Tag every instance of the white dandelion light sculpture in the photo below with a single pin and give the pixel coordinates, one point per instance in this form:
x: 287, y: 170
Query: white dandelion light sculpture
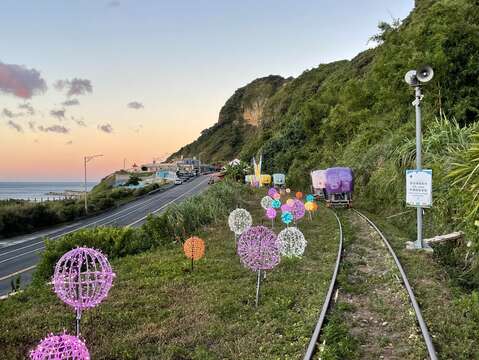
x: 266, y: 202
x: 291, y: 242
x: 239, y: 221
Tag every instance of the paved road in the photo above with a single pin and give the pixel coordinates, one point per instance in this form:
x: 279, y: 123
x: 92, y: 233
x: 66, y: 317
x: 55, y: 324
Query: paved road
x: 19, y: 256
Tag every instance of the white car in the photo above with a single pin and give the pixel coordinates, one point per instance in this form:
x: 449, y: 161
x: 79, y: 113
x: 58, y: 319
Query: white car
x: 178, y: 181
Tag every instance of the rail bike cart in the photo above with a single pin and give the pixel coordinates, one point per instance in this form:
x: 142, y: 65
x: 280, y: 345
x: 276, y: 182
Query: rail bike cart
x: 339, y: 187
x: 318, y: 184
x: 279, y: 180
x: 265, y: 179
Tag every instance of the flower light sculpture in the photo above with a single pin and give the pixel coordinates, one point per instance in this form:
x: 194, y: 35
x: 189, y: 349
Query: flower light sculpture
x: 271, y: 215
x: 239, y: 220
x: 298, y: 209
x: 276, y: 204
x: 309, y: 206
x: 194, y: 249
x: 258, y: 250
x: 299, y: 195
x: 288, y: 190
x: 272, y: 191
x: 285, y: 207
x: 287, y: 217
x: 290, y: 202
x: 266, y: 202
x: 291, y: 242
x: 309, y: 198
x: 60, y: 347
x: 82, y: 279
x: 277, y: 196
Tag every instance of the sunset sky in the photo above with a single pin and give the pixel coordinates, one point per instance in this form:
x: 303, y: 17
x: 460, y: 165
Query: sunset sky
x: 138, y: 79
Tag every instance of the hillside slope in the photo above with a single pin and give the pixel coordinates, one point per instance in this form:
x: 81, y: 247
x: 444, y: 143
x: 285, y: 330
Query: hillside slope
x: 358, y: 113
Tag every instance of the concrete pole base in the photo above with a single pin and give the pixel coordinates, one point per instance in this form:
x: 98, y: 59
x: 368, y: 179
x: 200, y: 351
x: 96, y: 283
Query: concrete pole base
x: 411, y: 245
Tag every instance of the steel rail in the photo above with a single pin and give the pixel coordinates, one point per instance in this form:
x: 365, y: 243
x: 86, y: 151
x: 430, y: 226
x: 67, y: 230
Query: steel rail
x: 422, y: 324
x: 317, y: 330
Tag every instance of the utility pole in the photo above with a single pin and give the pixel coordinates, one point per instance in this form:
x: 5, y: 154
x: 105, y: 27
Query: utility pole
x: 416, y: 78
x: 87, y: 159
x: 417, y: 104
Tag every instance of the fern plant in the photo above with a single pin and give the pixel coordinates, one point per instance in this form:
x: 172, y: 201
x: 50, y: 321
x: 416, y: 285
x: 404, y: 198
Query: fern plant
x: 465, y: 173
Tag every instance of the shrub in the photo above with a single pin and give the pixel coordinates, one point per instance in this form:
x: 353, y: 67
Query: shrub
x: 174, y: 225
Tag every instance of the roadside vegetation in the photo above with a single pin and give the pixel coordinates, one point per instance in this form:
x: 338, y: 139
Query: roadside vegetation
x: 158, y: 308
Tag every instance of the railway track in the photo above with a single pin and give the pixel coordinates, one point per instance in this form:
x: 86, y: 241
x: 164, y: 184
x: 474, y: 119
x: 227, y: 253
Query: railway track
x: 313, y: 344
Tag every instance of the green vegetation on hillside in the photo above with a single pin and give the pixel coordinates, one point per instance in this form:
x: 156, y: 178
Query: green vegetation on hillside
x: 358, y: 113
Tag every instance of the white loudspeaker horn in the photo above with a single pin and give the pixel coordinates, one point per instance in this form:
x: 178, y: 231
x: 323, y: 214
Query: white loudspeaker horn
x: 425, y: 74
x: 411, y: 78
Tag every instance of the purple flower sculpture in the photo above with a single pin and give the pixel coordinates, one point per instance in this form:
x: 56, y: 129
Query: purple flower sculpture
x: 258, y: 248
x: 298, y: 209
x: 82, y: 278
x: 60, y: 347
x: 272, y: 191
x: 286, y: 208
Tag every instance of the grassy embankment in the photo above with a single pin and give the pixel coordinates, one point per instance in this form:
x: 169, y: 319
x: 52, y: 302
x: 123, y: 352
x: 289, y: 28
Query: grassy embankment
x: 159, y: 309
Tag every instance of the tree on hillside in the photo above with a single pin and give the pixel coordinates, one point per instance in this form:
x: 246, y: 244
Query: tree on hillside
x: 237, y: 171
x: 133, y: 180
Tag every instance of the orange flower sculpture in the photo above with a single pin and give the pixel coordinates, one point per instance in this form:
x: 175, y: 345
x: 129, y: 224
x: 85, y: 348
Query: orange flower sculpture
x: 194, y: 248
x: 299, y: 195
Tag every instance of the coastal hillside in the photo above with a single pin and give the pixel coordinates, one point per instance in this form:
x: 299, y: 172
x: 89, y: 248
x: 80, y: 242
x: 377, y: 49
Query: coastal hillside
x: 238, y: 121
x: 358, y: 113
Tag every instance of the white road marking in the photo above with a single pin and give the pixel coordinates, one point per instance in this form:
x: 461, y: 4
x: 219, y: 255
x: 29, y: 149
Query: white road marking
x: 17, y: 272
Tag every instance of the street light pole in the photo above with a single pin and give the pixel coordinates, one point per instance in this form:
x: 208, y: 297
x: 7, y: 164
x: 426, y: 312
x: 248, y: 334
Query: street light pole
x: 87, y: 159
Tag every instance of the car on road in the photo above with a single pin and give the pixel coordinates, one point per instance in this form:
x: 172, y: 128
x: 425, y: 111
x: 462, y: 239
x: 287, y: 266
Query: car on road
x: 178, y: 181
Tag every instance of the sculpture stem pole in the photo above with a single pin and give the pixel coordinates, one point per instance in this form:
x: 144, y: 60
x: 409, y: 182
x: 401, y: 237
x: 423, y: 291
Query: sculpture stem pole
x: 78, y: 317
x: 192, y: 264
x: 257, y: 288
x: 310, y: 216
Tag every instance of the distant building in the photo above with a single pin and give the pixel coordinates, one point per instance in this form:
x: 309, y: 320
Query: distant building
x: 134, y: 169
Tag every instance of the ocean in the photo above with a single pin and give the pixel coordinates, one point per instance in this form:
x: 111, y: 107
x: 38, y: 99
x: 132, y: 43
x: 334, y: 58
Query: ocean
x: 39, y: 191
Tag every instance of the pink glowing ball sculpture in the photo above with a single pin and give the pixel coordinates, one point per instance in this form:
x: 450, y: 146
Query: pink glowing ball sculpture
x: 60, y: 347
x: 258, y: 248
x: 298, y: 209
x: 82, y: 278
x: 286, y: 208
x: 270, y: 213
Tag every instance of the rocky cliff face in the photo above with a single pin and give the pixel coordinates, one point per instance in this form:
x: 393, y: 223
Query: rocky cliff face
x: 238, y: 121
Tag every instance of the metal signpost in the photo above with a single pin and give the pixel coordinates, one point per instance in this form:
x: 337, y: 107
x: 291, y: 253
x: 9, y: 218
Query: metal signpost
x: 416, y: 78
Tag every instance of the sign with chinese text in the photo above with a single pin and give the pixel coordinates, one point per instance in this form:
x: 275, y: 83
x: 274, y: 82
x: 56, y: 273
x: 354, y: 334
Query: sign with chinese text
x: 419, y: 188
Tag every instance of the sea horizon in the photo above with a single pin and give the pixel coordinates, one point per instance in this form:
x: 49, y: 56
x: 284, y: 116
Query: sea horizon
x: 40, y: 190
